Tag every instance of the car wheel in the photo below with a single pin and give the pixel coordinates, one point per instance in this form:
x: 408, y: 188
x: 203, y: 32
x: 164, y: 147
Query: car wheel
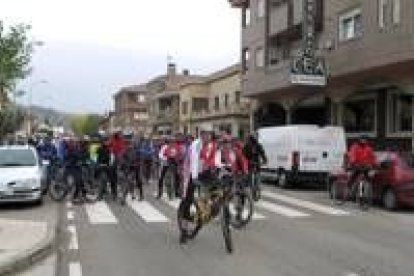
x: 389, y: 200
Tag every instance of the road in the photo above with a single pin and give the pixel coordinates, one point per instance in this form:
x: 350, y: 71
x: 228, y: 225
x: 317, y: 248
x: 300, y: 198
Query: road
x: 295, y: 233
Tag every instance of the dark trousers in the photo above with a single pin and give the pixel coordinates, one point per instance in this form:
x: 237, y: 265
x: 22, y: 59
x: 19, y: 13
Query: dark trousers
x: 170, y: 166
x: 76, y: 173
x: 146, y: 163
x: 138, y: 181
x: 113, y: 179
x: 188, y: 199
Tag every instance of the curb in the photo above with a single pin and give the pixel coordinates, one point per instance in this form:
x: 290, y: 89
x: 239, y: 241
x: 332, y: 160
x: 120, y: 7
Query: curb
x: 33, y: 255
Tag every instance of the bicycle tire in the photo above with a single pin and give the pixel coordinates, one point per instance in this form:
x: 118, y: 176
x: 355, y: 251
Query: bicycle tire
x: 183, y: 222
x: 339, y: 193
x: 242, y: 198
x: 169, y: 183
x: 255, y: 187
x: 58, y: 189
x: 225, y: 225
x: 91, y: 190
x: 364, y: 196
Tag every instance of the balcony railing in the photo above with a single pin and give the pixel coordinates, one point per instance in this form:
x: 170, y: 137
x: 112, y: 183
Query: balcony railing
x: 233, y: 109
x: 239, y: 3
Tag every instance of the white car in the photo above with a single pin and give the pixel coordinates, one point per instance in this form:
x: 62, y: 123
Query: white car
x: 20, y: 174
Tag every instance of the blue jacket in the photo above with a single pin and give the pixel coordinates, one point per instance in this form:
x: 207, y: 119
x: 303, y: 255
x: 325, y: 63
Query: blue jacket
x: 146, y: 150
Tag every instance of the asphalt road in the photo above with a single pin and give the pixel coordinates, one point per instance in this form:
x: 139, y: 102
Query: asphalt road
x: 295, y: 233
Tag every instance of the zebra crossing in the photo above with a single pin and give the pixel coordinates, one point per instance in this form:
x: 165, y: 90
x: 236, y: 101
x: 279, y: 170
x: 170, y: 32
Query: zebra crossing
x: 271, y: 204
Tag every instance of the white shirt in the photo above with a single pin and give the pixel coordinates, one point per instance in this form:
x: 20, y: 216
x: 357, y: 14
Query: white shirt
x: 195, y: 164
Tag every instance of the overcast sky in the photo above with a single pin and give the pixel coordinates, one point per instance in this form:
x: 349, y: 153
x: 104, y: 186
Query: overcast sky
x: 92, y: 48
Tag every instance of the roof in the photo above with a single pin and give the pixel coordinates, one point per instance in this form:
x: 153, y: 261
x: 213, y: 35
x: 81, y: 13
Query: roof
x: 140, y: 88
x: 228, y: 71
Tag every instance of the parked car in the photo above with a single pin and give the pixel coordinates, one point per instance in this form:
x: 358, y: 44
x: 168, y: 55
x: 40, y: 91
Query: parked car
x: 393, y: 182
x: 302, y: 153
x: 20, y: 174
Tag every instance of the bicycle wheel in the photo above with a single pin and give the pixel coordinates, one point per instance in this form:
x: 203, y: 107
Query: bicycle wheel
x: 241, y: 209
x: 189, y: 221
x: 364, y: 196
x: 339, y: 192
x: 169, y: 183
x: 255, y: 186
x: 92, y: 190
x: 58, y: 188
x: 225, y: 226
x: 122, y: 187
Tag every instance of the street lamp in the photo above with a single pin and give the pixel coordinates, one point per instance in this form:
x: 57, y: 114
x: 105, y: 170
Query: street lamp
x: 29, y: 123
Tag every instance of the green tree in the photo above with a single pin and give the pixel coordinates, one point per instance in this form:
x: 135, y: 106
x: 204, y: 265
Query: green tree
x: 16, y: 49
x: 85, y: 124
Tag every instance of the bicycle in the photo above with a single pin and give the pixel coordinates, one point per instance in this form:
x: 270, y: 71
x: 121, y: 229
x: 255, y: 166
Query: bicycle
x: 255, y: 183
x: 361, y: 190
x: 242, y: 206
x: 125, y: 182
x: 170, y: 180
x: 214, y: 202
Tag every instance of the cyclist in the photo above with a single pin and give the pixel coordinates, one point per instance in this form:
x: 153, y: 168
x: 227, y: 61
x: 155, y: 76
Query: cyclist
x: 361, y: 158
x: 200, y: 162
x: 117, y: 146
x: 47, y: 152
x: 255, y: 155
x: 73, y: 166
x: 146, y: 151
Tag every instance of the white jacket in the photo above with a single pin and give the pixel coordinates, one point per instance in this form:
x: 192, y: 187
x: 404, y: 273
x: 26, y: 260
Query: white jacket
x: 195, y: 162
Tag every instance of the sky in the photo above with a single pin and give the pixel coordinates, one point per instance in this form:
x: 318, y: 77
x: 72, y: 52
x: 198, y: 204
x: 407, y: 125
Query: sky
x: 92, y: 48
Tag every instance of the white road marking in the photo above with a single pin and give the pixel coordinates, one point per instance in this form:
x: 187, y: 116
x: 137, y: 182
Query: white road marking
x: 305, y: 204
x: 146, y: 211
x: 69, y: 204
x: 75, y: 269
x: 70, y: 215
x: 174, y: 203
x: 256, y: 215
x: 281, y: 210
x: 99, y: 213
x: 73, y: 244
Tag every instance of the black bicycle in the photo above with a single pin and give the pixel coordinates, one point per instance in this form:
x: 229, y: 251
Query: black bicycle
x: 214, y: 202
x: 255, y: 183
x: 241, y: 206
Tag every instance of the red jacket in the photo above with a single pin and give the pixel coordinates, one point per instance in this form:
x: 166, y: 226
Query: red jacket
x: 361, y: 155
x: 208, y: 155
x: 235, y: 158
x: 117, y: 146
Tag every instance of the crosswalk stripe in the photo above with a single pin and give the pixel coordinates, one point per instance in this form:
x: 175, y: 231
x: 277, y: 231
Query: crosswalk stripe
x: 75, y: 269
x: 305, y: 204
x: 99, y: 213
x: 146, y: 211
x: 281, y: 210
x: 256, y: 215
x: 174, y: 203
x: 73, y: 243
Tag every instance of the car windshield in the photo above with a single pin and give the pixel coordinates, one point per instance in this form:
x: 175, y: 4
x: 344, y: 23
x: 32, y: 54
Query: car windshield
x: 17, y: 158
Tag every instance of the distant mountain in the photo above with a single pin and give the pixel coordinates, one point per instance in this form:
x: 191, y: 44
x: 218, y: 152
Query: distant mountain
x: 52, y: 116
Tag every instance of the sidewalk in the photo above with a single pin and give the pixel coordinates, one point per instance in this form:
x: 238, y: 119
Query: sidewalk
x: 27, y: 235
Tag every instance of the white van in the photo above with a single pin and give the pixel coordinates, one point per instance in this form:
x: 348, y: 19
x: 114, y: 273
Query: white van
x: 302, y: 153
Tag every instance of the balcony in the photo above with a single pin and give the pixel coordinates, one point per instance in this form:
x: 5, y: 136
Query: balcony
x: 167, y: 116
x: 239, y: 3
x: 232, y: 110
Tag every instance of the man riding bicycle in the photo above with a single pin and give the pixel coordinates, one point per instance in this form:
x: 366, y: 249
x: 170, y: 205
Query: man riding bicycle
x: 361, y: 159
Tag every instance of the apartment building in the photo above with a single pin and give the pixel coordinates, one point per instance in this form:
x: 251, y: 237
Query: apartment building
x: 368, y: 49
x: 215, y: 102
x: 164, y: 100
x: 131, y: 110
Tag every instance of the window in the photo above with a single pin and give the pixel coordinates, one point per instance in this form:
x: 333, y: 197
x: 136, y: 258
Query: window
x: 247, y: 17
x: 200, y: 104
x: 141, y: 98
x: 140, y: 116
x: 245, y: 59
x: 259, y: 59
x: 359, y: 115
x: 382, y: 7
x: 350, y: 25
x: 237, y: 97
x: 226, y: 100
x: 216, y: 103
x: 396, y: 12
x: 184, y: 108
x: 400, y: 118
x: 261, y: 6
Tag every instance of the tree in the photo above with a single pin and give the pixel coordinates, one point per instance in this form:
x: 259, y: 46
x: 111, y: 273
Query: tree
x: 85, y: 124
x: 16, y: 49
x: 10, y: 120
